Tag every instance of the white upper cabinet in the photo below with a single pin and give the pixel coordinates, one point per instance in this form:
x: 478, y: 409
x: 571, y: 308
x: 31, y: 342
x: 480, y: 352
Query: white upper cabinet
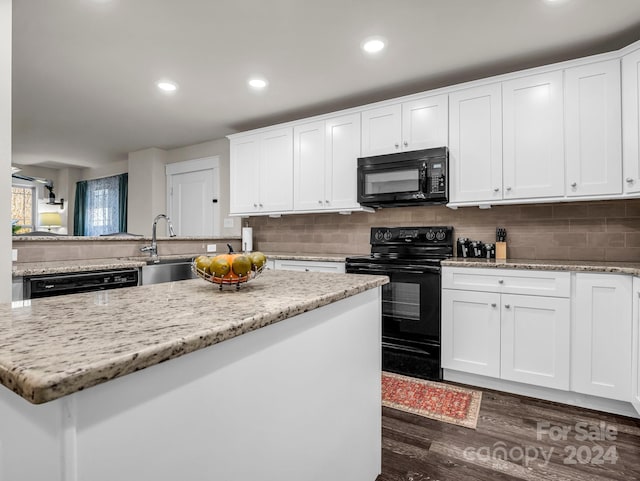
x: 631, y: 121
x: 325, y: 164
x: 424, y: 123
x: 475, y: 144
x: 308, y: 166
x: 593, y: 132
x: 244, y: 175
x: 342, y: 149
x: 533, y: 156
x: 413, y: 125
x: 261, y: 172
x: 276, y: 171
x: 382, y: 130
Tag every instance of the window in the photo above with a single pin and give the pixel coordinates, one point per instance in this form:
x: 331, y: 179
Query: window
x: 101, y: 206
x: 23, y: 207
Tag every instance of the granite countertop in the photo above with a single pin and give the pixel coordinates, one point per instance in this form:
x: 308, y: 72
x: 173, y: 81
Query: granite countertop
x: 549, y: 265
x: 61, y: 267
x: 120, y: 238
x: 56, y: 346
x: 21, y: 269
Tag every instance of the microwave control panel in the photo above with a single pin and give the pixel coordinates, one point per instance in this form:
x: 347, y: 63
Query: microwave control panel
x: 436, y: 178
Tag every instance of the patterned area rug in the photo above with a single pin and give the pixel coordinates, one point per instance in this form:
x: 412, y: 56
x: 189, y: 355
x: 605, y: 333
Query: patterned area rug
x: 435, y: 400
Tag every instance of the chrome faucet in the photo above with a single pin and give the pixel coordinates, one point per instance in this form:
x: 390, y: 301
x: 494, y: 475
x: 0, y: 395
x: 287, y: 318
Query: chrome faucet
x: 153, y: 248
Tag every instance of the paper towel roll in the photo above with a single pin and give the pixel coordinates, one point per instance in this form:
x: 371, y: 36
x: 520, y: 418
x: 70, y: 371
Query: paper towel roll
x: 247, y: 239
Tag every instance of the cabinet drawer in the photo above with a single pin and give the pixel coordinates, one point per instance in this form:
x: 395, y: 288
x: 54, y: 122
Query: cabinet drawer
x: 508, y: 281
x: 312, y: 266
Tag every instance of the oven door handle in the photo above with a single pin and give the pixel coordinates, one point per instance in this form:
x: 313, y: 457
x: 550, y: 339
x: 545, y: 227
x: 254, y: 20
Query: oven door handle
x: 383, y: 271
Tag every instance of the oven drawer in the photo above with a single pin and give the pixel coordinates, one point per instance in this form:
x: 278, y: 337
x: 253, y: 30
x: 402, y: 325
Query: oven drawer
x: 507, y: 281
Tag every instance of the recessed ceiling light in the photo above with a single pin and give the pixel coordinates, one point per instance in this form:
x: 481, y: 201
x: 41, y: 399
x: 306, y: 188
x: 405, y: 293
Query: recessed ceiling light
x: 167, y: 86
x: 257, y: 83
x: 373, y: 45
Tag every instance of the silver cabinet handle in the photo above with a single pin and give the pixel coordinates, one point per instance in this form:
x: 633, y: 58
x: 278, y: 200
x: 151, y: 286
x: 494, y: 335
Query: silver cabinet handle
x: 508, y: 188
x: 260, y: 205
x: 320, y: 202
x: 327, y: 201
x: 629, y: 180
x: 496, y: 189
x: 507, y: 306
x: 397, y: 145
x: 255, y: 206
x: 500, y: 281
x: 306, y: 269
x: 574, y: 184
x: 406, y: 144
x: 493, y: 304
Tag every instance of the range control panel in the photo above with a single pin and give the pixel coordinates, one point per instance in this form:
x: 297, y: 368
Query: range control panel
x: 412, y: 235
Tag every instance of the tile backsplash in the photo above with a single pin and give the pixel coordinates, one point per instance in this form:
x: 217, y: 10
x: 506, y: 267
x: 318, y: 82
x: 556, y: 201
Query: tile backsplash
x: 606, y: 230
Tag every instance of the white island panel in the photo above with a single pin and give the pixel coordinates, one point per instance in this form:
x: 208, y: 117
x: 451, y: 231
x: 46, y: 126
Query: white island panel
x: 296, y: 400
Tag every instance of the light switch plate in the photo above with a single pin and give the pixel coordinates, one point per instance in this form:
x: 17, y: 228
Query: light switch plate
x: 14, y: 254
x: 211, y: 247
x: 228, y: 223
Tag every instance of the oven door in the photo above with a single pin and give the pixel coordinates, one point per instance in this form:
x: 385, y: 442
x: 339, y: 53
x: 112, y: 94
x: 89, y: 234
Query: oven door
x: 397, y: 182
x: 410, y: 302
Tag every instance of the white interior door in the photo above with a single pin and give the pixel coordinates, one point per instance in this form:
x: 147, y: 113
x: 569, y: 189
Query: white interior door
x: 193, y: 197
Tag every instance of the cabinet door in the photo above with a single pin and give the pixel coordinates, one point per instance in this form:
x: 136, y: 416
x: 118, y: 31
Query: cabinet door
x: 535, y: 340
x: 309, y: 166
x: 471, y: 332
x: 276, y: 171
x: 244, y: 174
x: 341, y: 167
x: 631, y: 121
x: 593, y: 129
x: 602, y: 328
x: 635, y: 367
x: 475, y: 144
x: 381, y: 130
x: 533, y: 162
x: 425, y: 123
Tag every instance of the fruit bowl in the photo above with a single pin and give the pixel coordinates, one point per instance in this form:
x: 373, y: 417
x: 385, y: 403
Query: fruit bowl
x: 230, y: 278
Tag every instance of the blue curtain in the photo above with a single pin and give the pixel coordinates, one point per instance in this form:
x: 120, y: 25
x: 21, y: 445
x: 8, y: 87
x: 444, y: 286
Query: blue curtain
x: 123, y: 193
x: 80, y: 206
x: 101, y: 206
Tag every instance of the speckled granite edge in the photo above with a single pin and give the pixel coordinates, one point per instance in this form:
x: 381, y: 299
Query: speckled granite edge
x: 632, y: 268
x: 38, y: 389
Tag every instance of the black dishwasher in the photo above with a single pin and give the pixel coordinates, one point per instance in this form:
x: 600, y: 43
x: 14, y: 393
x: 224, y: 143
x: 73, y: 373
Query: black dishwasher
x: 58, y: 284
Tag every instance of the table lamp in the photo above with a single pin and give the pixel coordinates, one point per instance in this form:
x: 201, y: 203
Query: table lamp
x: 50, y: 219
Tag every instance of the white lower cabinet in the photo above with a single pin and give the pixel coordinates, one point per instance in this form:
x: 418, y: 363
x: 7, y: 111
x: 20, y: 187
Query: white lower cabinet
x: 575, y: 332
x: 534, y: 340
x: 635, y: 365
x: 508, y: 336
x: 471, y: 332
x: 309, y: 266
x: 601, y: 336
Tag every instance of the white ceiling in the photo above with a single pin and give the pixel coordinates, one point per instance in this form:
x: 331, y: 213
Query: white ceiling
x: 84, y: 71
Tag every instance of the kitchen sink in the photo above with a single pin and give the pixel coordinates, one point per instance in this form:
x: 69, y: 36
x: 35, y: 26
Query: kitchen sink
x: 167, y: 270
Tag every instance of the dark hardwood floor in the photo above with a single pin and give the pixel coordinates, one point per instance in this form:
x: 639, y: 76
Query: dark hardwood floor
x: 517, y: 438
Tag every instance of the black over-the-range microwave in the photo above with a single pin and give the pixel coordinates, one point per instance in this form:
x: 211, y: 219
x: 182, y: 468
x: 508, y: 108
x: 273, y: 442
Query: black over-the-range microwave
x: 418, y: 177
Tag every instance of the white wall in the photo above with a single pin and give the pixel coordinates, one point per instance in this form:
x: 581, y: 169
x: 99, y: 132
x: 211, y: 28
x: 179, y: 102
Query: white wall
x: 146, y: 189
x: 5, y: 149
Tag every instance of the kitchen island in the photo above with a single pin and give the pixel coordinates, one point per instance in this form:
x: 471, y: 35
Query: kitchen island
x: 292, y: 393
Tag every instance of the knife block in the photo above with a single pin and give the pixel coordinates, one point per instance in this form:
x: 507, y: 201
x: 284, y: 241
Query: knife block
x: 501, y: 250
